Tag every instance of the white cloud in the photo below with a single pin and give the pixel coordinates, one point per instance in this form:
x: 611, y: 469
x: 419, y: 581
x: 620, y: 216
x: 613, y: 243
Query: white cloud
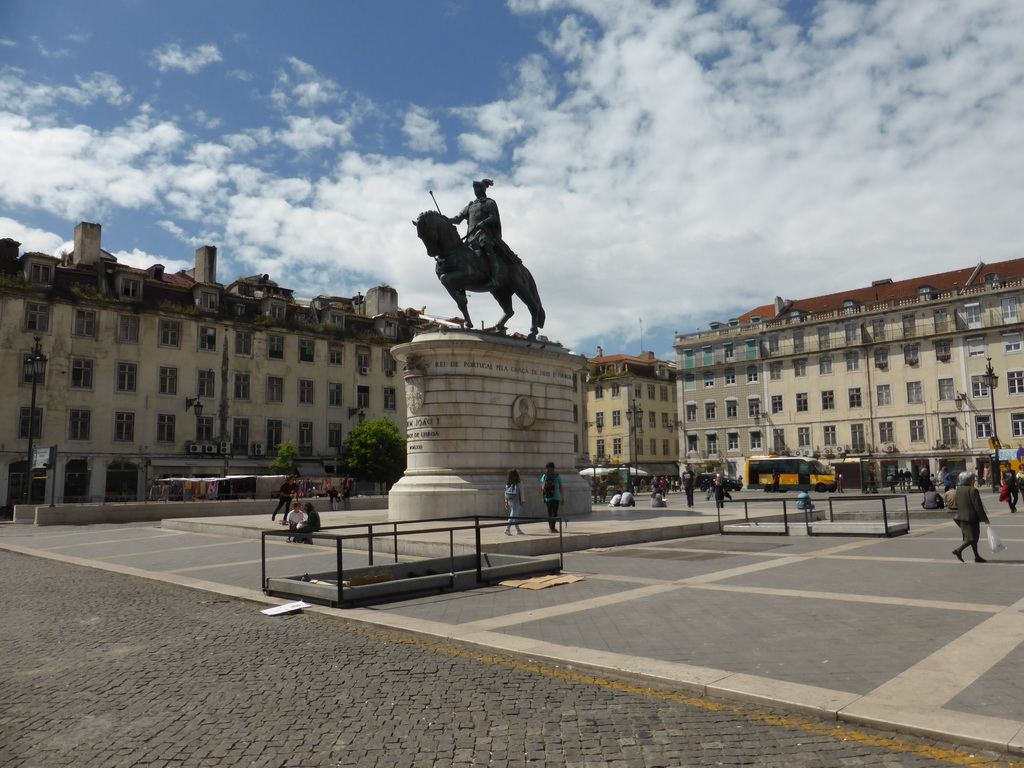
x: 424, y: 134
x: 31, y: 238
x: 173, y: 57
x: 304, y: 87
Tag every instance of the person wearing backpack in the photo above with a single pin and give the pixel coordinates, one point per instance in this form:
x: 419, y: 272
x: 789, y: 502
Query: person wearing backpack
x: 551, y: 492
x: 513, y: 501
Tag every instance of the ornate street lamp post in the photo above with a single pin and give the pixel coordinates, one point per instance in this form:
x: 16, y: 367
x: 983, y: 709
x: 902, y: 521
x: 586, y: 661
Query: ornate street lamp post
x: 34, y: 369
x: 634, y: 416
x: 992, y: 381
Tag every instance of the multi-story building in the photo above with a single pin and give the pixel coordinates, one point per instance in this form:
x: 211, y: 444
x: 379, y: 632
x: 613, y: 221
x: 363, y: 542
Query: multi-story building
x: 151, y: 374
x: 895, y: 373
x: 632, y: 413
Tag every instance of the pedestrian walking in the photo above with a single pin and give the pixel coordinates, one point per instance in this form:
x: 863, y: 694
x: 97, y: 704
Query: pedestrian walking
x: 777, y: 478
x: 289, y: 489
x: 332, y: 494
x: 720, y: 492
x: 513, y: 501
x: 1011, y: 490
x: 839, y: 482
x: 970, y: 514
x: 346, y: 492
x: 551, y: 492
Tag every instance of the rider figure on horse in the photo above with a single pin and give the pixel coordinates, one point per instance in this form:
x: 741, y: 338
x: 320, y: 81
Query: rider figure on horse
x: 484, y: 235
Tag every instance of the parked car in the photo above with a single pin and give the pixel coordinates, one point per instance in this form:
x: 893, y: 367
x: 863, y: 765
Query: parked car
x: 706, y: 479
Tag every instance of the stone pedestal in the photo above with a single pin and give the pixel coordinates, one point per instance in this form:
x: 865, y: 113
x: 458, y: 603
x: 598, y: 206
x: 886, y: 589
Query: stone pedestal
x: 479, y: 405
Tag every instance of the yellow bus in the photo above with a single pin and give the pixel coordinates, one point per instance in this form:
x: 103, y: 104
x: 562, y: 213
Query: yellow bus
x: 796, y: 473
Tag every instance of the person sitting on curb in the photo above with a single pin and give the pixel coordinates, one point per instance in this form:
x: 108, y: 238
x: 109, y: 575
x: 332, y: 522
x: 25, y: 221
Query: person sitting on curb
x: 294, y: 517
x: 932, y: 499
x: 310, y: 525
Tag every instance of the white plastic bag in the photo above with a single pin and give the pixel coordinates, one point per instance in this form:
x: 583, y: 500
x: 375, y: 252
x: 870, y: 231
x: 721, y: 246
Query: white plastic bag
x: 994, y: 542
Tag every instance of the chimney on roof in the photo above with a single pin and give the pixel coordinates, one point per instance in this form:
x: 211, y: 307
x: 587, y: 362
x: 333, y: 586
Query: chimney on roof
x: 779, y: 305
x: 87, y: 243
x: 600, y: 352
x: 206, y: 264
x: 9, y: 249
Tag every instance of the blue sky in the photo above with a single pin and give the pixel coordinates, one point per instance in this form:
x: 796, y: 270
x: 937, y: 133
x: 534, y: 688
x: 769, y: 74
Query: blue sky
x: 657, y: 164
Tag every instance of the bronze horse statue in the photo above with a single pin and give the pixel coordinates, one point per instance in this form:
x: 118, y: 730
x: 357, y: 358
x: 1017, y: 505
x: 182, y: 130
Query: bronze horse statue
x: 460, y: 269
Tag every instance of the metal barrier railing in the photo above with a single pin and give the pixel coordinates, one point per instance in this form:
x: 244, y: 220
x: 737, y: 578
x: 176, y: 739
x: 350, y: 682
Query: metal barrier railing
x: 476, y: 523
x: 808, y: 514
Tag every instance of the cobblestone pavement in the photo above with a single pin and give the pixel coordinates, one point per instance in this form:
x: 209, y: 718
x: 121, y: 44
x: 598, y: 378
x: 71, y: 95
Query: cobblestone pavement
x: 104, y: 669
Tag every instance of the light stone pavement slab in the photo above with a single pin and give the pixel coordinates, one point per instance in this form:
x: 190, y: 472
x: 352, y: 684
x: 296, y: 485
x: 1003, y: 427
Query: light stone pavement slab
x: 892, y: 633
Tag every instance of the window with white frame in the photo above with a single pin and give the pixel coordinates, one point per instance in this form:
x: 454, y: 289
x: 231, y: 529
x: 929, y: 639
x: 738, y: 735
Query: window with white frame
x: 972, y: 315
x: 829, y: 434
x: 208, y: 338
x: 709, y: 379
x: 754, y: 407
x: 883, y: 394
x: 775, y: 372
x: 825, y: 364
x: 857, y: 437
x: 854, y: 397
x: 917, y: 430
x: 800, y: 368
x: 37, y: 316
x: 803, y: 437
x: 852, y: 361
x: 828, y: 400
x: 915, y: 392
x: 777, y: 405
x: 881, y: 357
x: 976, y: 346
x: 305, y: 391
x: 802, y: 403
x: 709, y: 411
x: 730, y: 380
x: 732, y: 442
x: 943, y: 351
x: 885, y: 432
x: 949, y: 427
x: 940, y: 318
x: 755, y: 441
x: 731, y: 409
x: 983, y: 426
x: 1017, y: 424
x: 752, y: 375
x: 824, y: 338
x: 979, y: 385
x: 850, y: 334
x: 1015, y: 382
x: 85, y: 322
x: 947, y: 390
x: 1008, y: 306
x: 128, y: 329
x: 1011, y: 342
x: 911, y: 354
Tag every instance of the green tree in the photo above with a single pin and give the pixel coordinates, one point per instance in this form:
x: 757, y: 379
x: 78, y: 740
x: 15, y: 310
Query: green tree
x: 375, y: 451
x: 287, y: 459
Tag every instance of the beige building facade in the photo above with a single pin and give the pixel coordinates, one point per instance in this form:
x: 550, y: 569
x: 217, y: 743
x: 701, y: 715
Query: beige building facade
x: 632, y: 413
x: 152, y: 375
x: 894, y: 376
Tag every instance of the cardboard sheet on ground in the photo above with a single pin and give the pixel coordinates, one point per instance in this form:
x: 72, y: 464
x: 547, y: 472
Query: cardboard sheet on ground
x: 542, y: 582
x: 277, y: 610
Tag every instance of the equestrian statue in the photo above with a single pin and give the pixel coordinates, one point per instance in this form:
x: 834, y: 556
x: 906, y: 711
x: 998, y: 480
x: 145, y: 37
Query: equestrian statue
x: 480, y: 262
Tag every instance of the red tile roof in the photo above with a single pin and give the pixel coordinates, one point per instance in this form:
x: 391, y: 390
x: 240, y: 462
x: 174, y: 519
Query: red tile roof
x: 940, y: 281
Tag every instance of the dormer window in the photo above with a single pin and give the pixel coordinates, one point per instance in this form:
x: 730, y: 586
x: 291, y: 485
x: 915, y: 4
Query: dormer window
x: 40, y: 273
x: 131, y: 288
x: 277, y: 311
x: 208, y: 300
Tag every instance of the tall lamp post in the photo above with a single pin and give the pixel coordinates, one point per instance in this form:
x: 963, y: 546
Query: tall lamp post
x: 992, y: 381
x: 634, y: 415
x: 34, y: 369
